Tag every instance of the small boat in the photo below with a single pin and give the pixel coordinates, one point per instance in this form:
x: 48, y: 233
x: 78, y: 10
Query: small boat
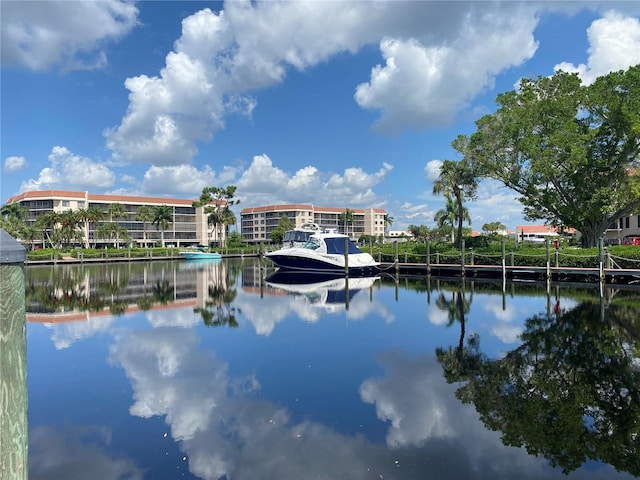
x: 200, y: 253
x: 327, y: 252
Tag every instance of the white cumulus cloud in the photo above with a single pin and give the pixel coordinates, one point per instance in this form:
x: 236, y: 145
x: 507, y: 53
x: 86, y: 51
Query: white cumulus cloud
x: 70, y: 171
x: 222, y: 59
x: 263, y: 183
x: 14, y: 163
x: 614, y: 43
x: 68, y: 35
x: 183, y: 180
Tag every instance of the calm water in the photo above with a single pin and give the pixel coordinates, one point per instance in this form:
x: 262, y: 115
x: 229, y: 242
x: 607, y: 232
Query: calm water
x: 202, y: 371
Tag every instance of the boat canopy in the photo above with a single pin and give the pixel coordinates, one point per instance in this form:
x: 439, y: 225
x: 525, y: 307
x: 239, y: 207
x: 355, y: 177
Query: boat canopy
x: 336, y: 246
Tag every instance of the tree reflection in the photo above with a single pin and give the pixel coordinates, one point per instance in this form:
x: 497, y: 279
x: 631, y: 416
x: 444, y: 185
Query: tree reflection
x: 457, y: 361
x: 163, y: 292
x: 218, y: 310
x: 570, y: 392
x: 94, y: 288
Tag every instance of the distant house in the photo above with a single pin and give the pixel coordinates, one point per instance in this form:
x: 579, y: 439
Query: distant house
x: 398, y: 236
x: 539, y: 233
x: 622, y: 227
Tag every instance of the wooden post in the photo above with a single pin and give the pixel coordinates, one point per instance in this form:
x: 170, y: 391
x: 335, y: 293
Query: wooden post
x: 13, y: 361
x: 428, y: 258
x: 346, y: 256
x: 346, y: 293
x: 395, y: 250
x: 601, y: 258
x: 504, y: 267
x: 548, y: 258
x: 462, y: 272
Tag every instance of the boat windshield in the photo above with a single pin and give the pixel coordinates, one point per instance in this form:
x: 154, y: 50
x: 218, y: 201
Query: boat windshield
x: 312, y: 243
x: 296, y: 236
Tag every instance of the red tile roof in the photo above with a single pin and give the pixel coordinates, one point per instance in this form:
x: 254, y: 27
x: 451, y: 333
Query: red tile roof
x: 97, y: 197
x: 302, y: 206
x: 541, y: 229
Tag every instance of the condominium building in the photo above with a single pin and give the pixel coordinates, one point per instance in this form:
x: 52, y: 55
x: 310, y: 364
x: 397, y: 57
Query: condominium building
x: 257, y: 223
x: 188, y: 226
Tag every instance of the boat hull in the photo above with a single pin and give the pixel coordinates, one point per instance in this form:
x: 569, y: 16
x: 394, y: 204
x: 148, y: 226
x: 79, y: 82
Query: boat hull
x: 201, y: 255
x: 293, y: 261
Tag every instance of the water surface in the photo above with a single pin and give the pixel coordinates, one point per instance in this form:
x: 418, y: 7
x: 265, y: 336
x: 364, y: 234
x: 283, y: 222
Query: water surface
x: 168, y: 370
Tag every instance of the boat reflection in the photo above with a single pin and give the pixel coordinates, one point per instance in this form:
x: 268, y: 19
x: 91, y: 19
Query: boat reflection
x: 330, y: 292
x: 200, y: 264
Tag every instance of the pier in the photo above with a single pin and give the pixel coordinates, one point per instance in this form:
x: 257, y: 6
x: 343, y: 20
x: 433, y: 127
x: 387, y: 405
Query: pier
x: 515, y: 273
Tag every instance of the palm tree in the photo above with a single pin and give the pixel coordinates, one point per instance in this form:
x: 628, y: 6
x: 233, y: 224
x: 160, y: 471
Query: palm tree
x: 388, y: 221
x: 88, y: 216
x: 215, y: 219
x: 29, y: 233
x: 14, y: 212
x: 116, y: 211
x: 47, y: 223
x: 92, y: 216
x: 111, y: 230
x: 162, y: 217
x: 346, y: 218
x: 446, y: 217
x: 144, y: 215
x: 228, y: 219
x: 458, y: 181
x: 215, y: 200
x: 68, y: 222
x: 13, y: 219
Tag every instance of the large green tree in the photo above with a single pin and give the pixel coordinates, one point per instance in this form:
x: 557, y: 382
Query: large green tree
x: 420, y: 232
x: 284, y: 224
x: 571, y: 151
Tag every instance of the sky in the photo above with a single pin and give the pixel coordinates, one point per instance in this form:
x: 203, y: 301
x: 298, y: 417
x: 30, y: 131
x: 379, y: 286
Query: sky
x: 347, y: 104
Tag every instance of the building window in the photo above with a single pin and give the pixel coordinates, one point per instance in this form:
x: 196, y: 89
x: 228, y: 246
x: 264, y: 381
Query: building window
x: 626, y: 222
x: 65, y: 203
x: 80, y: 204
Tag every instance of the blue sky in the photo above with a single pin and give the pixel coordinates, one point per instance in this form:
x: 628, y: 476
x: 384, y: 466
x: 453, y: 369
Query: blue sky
x: 343, y: 104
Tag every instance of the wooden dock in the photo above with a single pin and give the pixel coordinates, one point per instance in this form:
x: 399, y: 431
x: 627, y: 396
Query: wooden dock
x: 522, y: 273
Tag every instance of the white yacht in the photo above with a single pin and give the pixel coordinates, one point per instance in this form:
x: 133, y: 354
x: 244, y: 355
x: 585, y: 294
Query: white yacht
x: 328, y: 252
